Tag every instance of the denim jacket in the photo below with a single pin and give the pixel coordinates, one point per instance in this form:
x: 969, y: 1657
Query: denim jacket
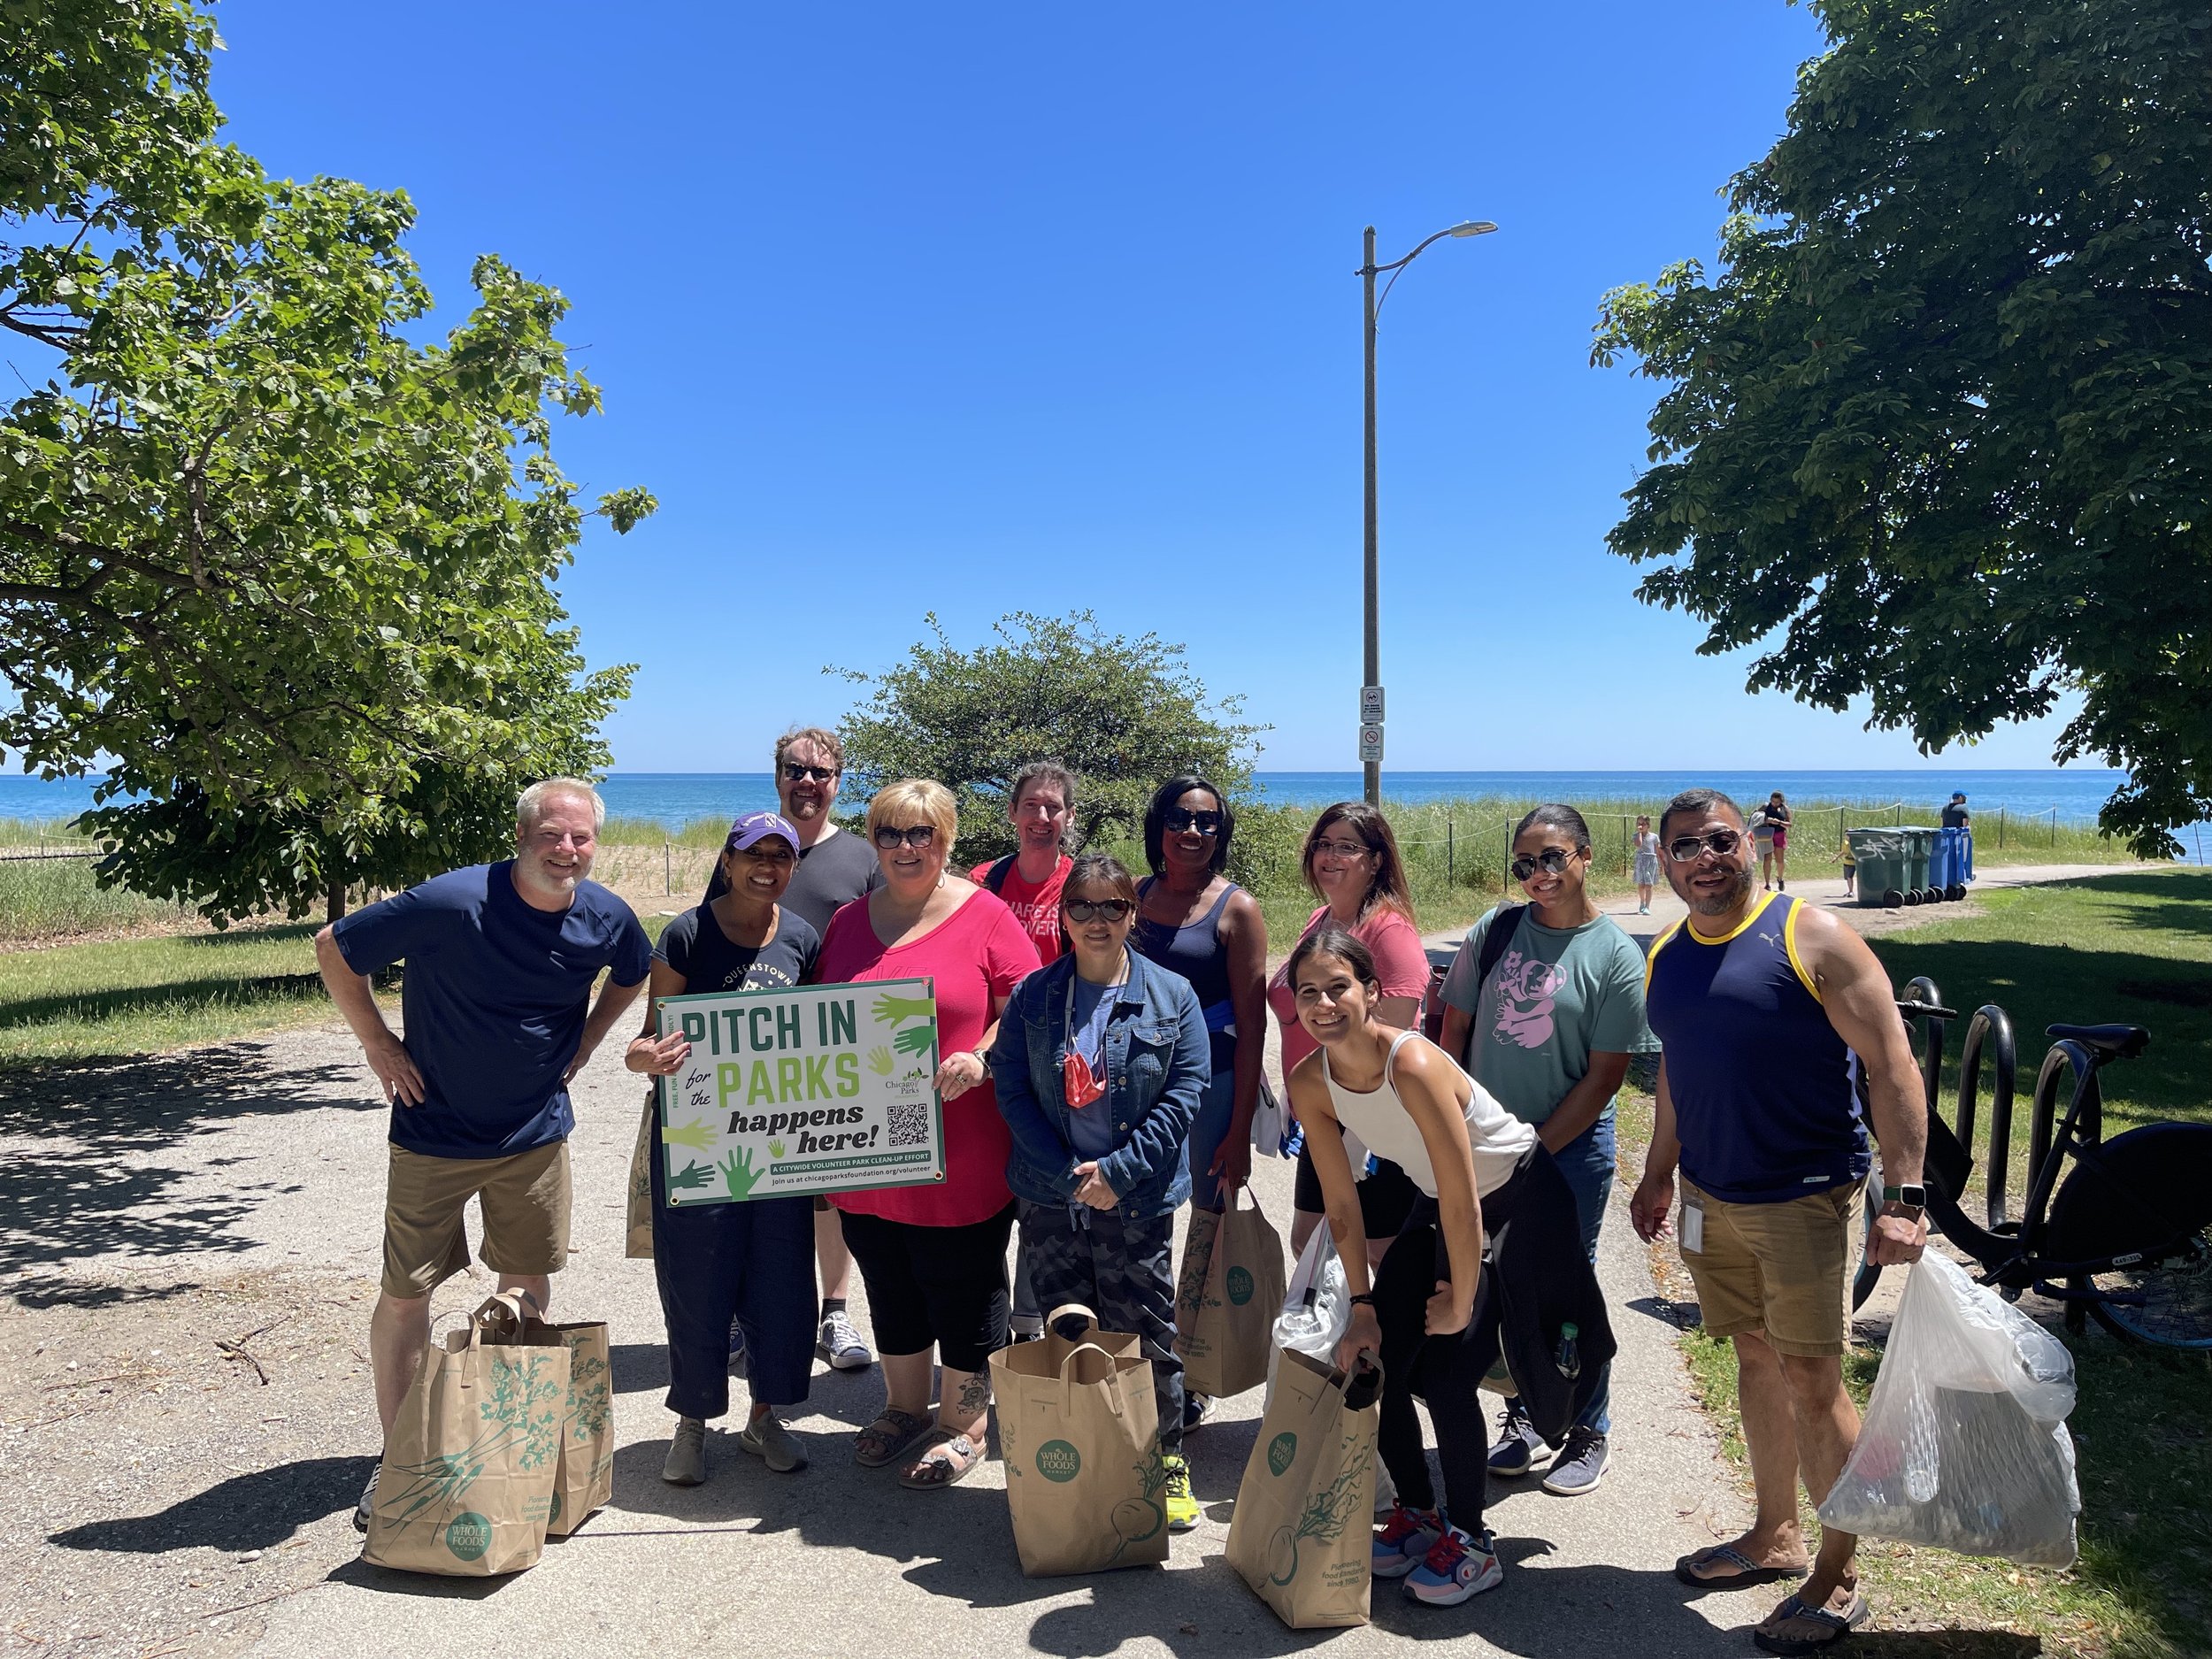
x: 1158, y: 1061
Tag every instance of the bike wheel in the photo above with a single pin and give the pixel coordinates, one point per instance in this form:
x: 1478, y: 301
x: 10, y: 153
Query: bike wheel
x: 2143, y: 1186
x: 2166, y: 1306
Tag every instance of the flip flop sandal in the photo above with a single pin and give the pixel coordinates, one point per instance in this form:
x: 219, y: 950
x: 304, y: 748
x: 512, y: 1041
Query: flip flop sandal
x: 1835, y: 1627
x: 1749, y: 1572
x: 924, y: 1474
x: 890, y: 1434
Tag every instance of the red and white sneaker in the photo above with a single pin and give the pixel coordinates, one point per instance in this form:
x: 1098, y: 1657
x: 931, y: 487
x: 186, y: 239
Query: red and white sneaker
x: 1403, y: 1540
x: 1455, y: 1568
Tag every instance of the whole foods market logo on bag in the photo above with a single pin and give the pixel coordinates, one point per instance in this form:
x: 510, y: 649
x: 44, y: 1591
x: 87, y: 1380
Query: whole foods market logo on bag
x: 1056, y: 1460
x: 1282, y: 1451
x: 1238, y: 1281
x: 468, y: 1535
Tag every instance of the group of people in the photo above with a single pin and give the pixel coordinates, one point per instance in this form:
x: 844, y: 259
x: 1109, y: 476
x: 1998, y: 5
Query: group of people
x: 1101, y: 1043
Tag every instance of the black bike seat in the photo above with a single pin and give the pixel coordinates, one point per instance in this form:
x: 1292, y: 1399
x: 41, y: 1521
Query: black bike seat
x: 2118, y: 1042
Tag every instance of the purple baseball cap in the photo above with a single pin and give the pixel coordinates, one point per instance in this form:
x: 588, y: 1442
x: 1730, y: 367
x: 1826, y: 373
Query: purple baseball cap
x: 755, y: 826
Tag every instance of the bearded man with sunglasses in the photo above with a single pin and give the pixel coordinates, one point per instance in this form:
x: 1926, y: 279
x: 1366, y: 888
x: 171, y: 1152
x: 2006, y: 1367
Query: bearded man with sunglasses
x: 1763, y: 1007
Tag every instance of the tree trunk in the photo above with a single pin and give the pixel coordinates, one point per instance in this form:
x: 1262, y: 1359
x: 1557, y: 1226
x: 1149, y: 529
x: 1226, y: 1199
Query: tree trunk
x: 335, y: 904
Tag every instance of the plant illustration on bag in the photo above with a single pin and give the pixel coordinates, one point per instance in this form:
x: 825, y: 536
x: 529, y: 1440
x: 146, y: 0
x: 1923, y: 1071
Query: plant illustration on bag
x: 517, y: 1391
x: 1136, y: 1519
x: 590, y: 1403
x: 1323, y: 1519
x: 440, y: 1483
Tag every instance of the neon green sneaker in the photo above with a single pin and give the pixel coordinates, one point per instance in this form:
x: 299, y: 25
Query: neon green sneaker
x: 1182, y: 1508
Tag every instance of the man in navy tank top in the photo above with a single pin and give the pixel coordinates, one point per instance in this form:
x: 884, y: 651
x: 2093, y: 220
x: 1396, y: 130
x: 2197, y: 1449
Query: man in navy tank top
x: 1765, y: 1008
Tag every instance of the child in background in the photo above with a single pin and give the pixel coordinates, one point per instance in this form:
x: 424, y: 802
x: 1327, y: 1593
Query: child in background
x: 1850, y: 867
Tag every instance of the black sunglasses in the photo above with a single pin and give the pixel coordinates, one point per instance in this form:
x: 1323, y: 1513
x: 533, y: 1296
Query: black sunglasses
x: 1176, y: 820
x: 1553, y: 859
x: 1092, y: 909
x: 920, y: 835
x: 1682, y: 848
x: 793, y: 772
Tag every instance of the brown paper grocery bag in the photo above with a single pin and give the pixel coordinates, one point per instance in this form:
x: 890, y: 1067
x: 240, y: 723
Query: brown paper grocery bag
x: 1226, y: 1301
x: 638, y: 1239
x: 1080, y: 1435
x: 584, y: 1478
x: 1300, y: 1536
x: 466, y: 1484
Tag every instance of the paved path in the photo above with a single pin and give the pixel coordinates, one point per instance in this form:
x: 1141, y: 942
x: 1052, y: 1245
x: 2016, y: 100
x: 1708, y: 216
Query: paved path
x: 272, y: 1163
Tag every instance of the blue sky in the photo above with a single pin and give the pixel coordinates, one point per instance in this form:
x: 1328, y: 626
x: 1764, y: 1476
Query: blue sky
x: 973, y: 308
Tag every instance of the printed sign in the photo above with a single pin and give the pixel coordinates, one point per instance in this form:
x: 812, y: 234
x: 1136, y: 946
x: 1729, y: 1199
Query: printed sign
x: 825, y: 1089
x: 1371, y: 705
x: 1371, y: 744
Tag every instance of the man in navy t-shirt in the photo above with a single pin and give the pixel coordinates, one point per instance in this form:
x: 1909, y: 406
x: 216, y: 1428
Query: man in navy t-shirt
x: 497, y: 1009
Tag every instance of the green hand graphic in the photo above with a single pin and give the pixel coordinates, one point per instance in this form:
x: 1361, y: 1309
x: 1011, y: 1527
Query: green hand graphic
x: 738, y: 1171
x: 698, y: 1134
x: 889, y: 1009
x: 915, y: 1038
x: 693, y: 1175
x: 775, y: 1148
x: 880, y: 1061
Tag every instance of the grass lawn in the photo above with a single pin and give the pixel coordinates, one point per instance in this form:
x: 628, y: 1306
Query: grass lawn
x: 2133, y: 947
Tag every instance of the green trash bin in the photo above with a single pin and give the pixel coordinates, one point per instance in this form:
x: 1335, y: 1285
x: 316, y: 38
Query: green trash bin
x: 1880, y: 855
x: 1920, y: 844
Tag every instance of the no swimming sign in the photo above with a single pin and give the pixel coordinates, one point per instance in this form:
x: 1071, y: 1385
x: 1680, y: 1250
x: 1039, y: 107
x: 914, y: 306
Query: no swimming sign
x: 825, y: 1089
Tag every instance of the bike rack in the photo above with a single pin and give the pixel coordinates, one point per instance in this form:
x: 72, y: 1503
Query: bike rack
x: 1990, y: 1027
x: 2083, y: 1126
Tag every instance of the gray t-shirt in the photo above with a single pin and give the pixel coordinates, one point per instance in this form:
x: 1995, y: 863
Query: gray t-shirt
x: 1557, y: 996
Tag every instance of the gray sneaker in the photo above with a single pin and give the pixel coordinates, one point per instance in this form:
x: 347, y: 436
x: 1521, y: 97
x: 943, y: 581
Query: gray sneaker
x: 368, y: 1499
x: 773, y: 1444
x: 840, y: 1344
x: 1520, y: 1445
x: 1579, y: 1466
x: 737, y: 1349
x: 686, y: 1464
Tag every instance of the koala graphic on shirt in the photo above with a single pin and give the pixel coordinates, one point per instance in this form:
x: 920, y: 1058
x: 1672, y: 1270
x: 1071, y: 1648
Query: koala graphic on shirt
x: 1526, y: 988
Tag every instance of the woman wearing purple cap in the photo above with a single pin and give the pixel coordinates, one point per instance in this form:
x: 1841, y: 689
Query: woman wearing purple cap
x: 755, y: 1261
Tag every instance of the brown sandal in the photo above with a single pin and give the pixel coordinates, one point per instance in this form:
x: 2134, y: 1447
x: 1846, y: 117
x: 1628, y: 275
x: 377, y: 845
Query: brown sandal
x: 926, y: 1473
x: 891, y: 1433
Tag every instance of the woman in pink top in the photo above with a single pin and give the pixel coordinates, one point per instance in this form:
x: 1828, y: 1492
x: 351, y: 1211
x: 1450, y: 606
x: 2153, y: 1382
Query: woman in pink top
x: 933, y: 1257
x: 1351, y: 863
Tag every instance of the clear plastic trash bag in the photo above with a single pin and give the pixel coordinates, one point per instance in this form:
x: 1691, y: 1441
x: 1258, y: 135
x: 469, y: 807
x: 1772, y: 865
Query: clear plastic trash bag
x: 1317, y: 1306
x: 1964, y: 1443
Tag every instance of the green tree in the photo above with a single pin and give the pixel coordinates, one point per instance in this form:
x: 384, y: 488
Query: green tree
x: 1944, y: 419
x: 265, y: 559
x: 1125, y: 714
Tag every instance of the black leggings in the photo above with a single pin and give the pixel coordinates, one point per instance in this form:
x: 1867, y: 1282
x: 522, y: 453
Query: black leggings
x: 1445, y: 1371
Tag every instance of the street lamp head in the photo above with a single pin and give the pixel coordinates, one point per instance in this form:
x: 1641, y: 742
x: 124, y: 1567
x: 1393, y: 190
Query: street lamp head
x: 1472, y: 227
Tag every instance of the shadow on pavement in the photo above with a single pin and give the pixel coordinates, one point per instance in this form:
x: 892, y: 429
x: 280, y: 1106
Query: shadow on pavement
x: 255, y: 1511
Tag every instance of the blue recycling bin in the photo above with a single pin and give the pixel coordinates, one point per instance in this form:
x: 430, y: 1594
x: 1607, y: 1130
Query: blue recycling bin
x: 1965, y: 864
x: 1951, y: 862
x: 1942, y: 848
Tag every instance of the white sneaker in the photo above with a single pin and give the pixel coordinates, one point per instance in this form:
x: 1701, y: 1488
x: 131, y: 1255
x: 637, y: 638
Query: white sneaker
x: 840, y: 1344
x: 686, y: 1464
x: 368, y: 1499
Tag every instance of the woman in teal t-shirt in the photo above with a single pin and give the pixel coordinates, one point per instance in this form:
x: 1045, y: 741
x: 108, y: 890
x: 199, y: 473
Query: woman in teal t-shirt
x: 1549, y: 1033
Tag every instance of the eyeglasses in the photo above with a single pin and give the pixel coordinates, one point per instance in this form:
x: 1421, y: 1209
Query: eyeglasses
x: 1095, y: 910
x: 1682, y: 848
x: 1552, y: 860
x: 793, y: 772
x: 917, y: 835
x: 1341, y: 849
x: 1177, y: 819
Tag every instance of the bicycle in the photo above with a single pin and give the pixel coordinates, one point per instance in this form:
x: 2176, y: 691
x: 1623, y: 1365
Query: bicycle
x: 2128, y: 1228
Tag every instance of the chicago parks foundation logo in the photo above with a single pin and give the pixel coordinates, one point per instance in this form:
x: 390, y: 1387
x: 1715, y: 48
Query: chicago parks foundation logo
x: 1056, y: 1460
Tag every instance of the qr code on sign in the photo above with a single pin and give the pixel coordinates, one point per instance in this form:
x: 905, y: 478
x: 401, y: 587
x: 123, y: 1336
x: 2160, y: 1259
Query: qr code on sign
x: 910, y: 1123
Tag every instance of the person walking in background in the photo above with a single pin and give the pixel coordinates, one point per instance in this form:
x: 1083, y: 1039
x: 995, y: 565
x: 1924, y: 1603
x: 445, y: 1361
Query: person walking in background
x: 1196, y: 922
x: 1351, y: 863
x: 1775, y: 819
x: 1028, y: 879
x: 1647, y: 862
x: 1850, y: 866
x: 1765, y: 1008
x: 834, y: 869
x: 751, y: 1263
x: 1549, y: 1032
x: 499, y: 1016
x: 1101, y: 1060
x: 934, y: 1256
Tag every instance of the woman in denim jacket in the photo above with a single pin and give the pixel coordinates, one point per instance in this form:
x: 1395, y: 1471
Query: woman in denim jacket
x: 1100, y: 1061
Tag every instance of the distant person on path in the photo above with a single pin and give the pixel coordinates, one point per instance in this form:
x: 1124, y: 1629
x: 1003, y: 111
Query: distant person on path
x: 1647, y: 862
x: 1351, y: 863
x: 1100, y: 1063
x: 834, y: 869
x: 1850, y: 867
x: 752, y: 1263
x: 497, y: 1007
x: 1761, y: 1005
x: 1194, y: 921
x: 1550, y: 1031
x: 1773, y: 826
x: 935, y: 1257
x: 1956, y: 815
x: 1028, y: 879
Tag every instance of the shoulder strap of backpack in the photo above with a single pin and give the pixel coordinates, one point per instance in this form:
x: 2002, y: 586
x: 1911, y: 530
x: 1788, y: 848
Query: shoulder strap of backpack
x: 995, y: 877
x: 1503, y: 926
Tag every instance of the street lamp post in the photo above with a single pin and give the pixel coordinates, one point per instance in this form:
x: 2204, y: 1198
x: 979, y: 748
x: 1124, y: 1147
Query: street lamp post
x: 1371, y: 685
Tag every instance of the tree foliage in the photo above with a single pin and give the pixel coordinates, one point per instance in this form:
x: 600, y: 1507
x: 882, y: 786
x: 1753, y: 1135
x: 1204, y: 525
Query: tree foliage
x: 1944, y: 419
x: 265, y: 559
x: 1124, y: 714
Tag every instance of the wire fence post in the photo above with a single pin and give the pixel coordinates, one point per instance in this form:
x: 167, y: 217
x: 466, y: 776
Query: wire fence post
x: 2000, y: 827
x: 1505, y: 870
x: 2054, y: 826
x: 668, y: 870
x: 1450, y: 861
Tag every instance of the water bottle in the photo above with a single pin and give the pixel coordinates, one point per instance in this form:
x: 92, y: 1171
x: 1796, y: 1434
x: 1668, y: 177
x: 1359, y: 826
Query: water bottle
x: 1569, y: 1358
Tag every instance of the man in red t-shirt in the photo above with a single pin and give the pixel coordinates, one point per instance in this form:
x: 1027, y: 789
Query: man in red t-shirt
x: 1029, y: 880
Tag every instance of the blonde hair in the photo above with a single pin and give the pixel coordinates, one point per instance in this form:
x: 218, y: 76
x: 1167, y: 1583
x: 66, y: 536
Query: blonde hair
x: 530, y: 805
x: 916, y: 798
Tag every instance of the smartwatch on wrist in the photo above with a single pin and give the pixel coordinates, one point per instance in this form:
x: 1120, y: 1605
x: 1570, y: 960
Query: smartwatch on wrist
x: 1912, y: 1196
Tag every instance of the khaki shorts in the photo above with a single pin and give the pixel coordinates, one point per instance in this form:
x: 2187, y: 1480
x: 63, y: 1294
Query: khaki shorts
x: 525, y: 1199
x: 1782, y: 1270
